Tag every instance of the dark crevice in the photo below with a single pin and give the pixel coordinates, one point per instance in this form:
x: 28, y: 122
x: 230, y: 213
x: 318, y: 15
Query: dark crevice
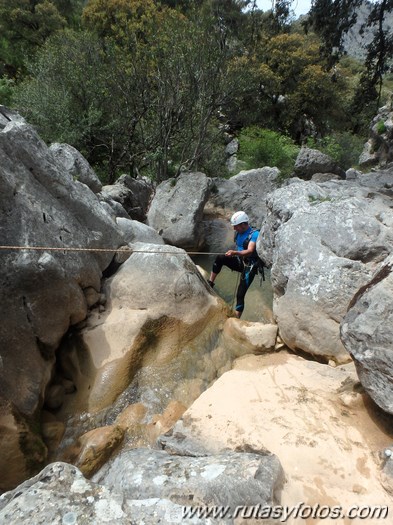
x: 322, y: 359
x: 111, y: 269
x: 380, y: 276
x: 26, y: 308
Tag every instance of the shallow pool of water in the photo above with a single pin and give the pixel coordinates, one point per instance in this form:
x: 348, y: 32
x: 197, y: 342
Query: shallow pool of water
x: 259, y: 297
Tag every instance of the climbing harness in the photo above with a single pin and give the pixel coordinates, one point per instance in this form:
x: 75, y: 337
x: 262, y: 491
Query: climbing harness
x: 259, y: 262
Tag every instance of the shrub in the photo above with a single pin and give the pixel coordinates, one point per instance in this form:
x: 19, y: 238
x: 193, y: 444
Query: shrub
x: 260, y: 147
x: 6, y: 86
x: 381, y: 128
x: 345, y: 147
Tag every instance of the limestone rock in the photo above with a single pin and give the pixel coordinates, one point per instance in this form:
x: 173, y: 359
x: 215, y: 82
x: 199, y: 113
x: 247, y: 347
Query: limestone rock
x: 23, y: 451
x: 290, y: 406
x: 224, y: 479
x: 310, y: 161
x: 130, y: 415
x: 60, y: 494
x: 244, y: 337
x: 378, y: 150
x: 134, y: 195
x: 135, y: 231
x: 387, y: 475
x: 245, y: 191
x: 177, y: 208
x: 96, y: 447
x: 324, y: 242
x: 42, y: 290
x: 367, y: 334
x: 75, y: 165
x: 151, y: 328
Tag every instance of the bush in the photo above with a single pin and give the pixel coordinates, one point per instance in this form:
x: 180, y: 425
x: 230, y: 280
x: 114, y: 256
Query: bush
x: 381, y: 128
x: 260, y: 147
x: 345, y: 147
x: 6, y: 86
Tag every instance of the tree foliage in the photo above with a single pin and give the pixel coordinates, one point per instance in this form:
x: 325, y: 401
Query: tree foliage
x: 26, y: 24
x: 149, y: 87
x: 331, y: 20
x: 142, y: 102
x: 263, y: 147
x: 377, y: 63
x: 288, y: 86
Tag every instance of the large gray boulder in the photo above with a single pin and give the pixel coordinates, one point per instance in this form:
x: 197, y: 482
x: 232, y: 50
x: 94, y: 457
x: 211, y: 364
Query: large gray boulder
x: 60, y: 494
x: 134, y: 195
x: 75, y: 165
x: 310, y: 161
x: 367, y: 334
x: 176, y: 210
x: 324, y: 242
x: 228, y: 479
x: 146, y: 486
x: 43, y: 291
x: 245, y: 191
x: 135, y: 231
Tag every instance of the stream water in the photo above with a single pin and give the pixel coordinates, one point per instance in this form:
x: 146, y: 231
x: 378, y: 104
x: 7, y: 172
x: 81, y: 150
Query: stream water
x: 186, y: 377
x: 259, y: 297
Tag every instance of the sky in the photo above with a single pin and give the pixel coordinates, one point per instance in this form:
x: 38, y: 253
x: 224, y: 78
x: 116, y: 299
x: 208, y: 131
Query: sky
x: 300, y: 7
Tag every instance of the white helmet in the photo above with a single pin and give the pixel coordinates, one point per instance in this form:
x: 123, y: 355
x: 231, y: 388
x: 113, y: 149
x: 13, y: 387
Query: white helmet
x: 239, y: 217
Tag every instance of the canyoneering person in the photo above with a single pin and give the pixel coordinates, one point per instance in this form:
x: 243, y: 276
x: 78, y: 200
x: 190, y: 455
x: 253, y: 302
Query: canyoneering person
x: 243, y: 259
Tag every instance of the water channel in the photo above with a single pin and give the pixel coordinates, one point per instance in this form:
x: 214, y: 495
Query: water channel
x: 259, y: 297
x: 186, y: 377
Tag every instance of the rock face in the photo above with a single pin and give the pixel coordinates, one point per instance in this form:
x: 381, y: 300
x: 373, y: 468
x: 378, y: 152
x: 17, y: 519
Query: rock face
x: 324, y: 241
x: 76, y: 165
x: 145, y: 486
x: 176, y: 210
x: 60, y: 494
x: 43, y: 292
x: 378, y: 150
x: 148, y: 322
x: 245, y: 191
x: 134, y: 195
x: 310, y: 161
x: 229, y: 479
x: 367, y: 334
x: 135, y: 231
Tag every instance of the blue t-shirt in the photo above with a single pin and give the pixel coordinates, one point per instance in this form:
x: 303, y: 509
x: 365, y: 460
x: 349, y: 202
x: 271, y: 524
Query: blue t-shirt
x: 241, y: 237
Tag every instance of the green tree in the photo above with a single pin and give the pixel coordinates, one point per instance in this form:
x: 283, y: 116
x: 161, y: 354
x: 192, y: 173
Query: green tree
x: 123, y: 21
x: 377, y: 64
x: 24, y: 26
x: 331, y: 20
x: 290, y: 86
x: 131, y: 101
x: 188, y: 89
